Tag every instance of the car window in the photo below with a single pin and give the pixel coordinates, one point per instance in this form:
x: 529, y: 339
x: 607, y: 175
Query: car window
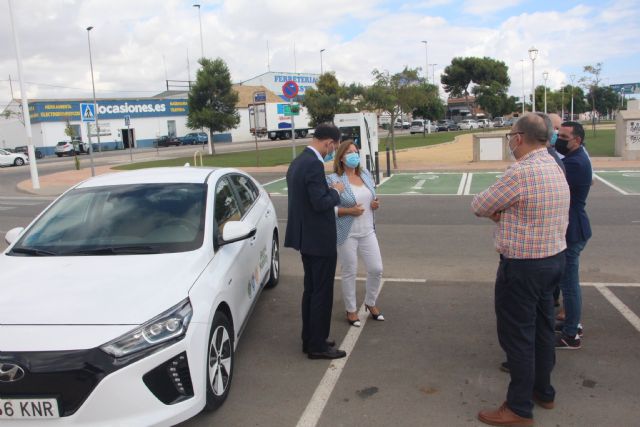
x: 156, y: 218
x: 225, y: 205
x: 246, y: 189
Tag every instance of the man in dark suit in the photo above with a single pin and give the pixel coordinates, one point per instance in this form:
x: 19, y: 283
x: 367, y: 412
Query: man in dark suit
x: 311, y: 229
x: 570, y: 143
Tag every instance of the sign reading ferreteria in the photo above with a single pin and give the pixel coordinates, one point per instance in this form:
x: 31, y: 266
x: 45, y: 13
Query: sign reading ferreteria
x: 55, y: 111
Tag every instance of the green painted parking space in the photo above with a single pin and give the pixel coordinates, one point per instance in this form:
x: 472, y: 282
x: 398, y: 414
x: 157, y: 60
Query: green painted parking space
x: 447, y: 183
x: 477, y: 182
x: 277, y: 187
x: 624, y: 182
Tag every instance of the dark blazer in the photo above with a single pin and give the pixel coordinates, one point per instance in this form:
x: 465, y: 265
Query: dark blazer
x: 579, y: 176
x: 311, y: 222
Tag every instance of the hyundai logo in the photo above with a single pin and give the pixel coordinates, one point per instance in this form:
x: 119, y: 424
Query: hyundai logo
x: 10, y: 373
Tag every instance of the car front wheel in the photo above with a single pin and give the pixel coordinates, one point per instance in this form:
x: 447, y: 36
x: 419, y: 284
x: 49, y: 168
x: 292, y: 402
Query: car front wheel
x: 19, y: 161
x: 274, y: 273
x: 219, y: 361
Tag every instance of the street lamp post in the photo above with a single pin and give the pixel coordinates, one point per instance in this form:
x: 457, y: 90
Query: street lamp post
x: 95, y: 107
x: 321, y: 70
x: 523, y: 98
x: 533, y: 54
x: 426, y: 62
x: 572, y: 77
x: 562, y: 84
x: 433, y: 73
x: 201, y: 42
x: 33, y: 170
x: 545, y: 76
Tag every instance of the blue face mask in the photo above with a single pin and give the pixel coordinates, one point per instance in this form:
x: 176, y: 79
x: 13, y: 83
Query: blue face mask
x: 352, y: 160
x: 554, y: 138
x: 329, y: 157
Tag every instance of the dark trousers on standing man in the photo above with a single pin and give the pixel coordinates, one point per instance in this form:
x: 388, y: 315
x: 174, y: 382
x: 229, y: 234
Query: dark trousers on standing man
x: 524, y: 311
x: 317, y: 301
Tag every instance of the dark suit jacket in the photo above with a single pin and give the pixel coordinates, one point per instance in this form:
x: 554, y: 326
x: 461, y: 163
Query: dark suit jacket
x: 579, y: 176
x: 311, y: 222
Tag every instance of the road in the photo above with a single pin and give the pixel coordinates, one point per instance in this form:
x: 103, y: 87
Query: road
x: 435, y: 360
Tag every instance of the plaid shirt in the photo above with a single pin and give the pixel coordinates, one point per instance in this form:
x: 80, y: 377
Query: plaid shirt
x: 532, y: 198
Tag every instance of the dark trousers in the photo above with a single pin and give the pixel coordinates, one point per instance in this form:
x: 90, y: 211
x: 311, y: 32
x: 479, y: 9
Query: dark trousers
x: 317, y: 300
x: 524, y: 310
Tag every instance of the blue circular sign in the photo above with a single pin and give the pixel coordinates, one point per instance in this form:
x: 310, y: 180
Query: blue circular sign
x: 290, y: 89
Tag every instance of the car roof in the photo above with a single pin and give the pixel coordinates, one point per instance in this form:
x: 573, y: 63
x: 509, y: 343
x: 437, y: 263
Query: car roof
x: 158, y: 176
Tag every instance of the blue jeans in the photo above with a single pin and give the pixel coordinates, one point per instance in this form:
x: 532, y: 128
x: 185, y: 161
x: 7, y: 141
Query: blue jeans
x: 570, y: 286
x: 524, y: 312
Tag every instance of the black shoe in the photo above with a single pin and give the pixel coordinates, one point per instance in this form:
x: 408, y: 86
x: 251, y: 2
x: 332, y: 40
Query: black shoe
x: 331, y: 353
x: 504, y: 367
x: 560, y: 326
x: 564, y: 342
x: 330, y: 344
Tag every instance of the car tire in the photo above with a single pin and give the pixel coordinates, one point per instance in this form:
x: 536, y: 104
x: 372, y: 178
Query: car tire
x: 19, y: 161
x: 39, y: 154
x: 274, y: 271
x: 220, y: 360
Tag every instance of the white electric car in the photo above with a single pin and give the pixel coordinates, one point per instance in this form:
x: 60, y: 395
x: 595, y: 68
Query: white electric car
x: 123, y: 301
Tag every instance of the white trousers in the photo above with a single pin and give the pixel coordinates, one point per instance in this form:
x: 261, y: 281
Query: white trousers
x: 368, y: 249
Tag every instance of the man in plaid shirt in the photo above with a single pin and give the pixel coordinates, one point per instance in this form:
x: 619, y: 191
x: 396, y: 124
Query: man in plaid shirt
x: 530, y: 206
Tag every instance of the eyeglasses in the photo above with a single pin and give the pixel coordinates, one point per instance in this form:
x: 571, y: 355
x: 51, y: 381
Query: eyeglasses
x: 510, y: 134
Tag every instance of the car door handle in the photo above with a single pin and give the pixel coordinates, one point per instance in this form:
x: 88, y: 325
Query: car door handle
x: 252, y: 241
x: 267, y: 213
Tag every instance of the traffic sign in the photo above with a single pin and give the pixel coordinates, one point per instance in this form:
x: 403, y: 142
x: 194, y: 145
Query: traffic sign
x: 259, y: 97
x: 290, y: 89
x: 87, y: 112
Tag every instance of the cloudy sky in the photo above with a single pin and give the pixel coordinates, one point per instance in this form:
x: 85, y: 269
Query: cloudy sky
x: 137, y: 44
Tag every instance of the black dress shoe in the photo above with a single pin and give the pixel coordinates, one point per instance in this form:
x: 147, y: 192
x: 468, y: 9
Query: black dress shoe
x: 330, y: 343
x: 331, y: 353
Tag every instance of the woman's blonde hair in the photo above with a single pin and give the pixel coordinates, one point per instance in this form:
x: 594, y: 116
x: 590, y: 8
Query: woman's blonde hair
x: 342, y: 148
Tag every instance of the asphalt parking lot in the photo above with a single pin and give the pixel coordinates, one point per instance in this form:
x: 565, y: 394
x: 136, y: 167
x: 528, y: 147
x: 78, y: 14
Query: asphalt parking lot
x: 434, y: 362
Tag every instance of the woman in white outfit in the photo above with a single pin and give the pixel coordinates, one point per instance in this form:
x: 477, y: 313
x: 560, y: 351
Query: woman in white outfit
x: 356, y: 231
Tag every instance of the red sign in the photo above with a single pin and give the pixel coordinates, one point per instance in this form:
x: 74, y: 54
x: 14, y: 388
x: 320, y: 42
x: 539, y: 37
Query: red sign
x: 290, y: 89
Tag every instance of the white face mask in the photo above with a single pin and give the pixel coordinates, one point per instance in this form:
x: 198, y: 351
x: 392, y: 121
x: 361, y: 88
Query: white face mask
x: 512, y: 152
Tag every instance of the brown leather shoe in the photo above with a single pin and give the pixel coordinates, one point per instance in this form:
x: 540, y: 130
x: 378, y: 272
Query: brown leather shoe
x: 542, y: 403
x: 503, y: 416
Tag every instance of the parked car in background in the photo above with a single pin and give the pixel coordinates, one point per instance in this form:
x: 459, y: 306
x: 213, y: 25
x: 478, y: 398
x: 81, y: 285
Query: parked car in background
x: 161, y: 269
x: 447, y: 125
x: 195, y: 138
x: 484, y: 123
x: 510, y: 122
x: 8, y: 158
x: 69, y: 148
x: 166, y: 141
x: 468, y: 124
x: 24, y: 149
x: 418, y: 126
x: 498, y: 122
x: 401, y: 124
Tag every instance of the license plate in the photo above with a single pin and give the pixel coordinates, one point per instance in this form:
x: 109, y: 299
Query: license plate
x: 28, y: 409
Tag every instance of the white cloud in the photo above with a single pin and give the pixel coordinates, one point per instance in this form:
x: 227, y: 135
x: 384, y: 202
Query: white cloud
x: 487, y: 7
x: 130, y: 40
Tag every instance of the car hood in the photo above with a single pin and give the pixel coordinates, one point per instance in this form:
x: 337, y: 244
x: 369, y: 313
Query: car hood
x: 94, y: 290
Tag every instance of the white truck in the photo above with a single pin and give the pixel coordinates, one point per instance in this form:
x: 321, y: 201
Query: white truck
x: 274, y: 120
x: 362, y: 128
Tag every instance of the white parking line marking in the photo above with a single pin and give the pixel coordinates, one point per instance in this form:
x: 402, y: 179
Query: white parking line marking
x: 605, y: 182
x: 463, y: 180
x: 467, y: 187
x: 620, y: 306
x: 274, y: 181
x: 316, y: 405
x: 611, y: 285
x: 419, y: 185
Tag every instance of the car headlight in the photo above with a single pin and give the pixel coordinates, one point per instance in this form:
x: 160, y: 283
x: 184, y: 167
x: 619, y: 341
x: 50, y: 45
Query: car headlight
x: 171, y: 324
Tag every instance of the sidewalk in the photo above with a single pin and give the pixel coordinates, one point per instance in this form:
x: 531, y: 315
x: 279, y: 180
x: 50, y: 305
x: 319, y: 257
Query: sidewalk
x: 450, y: 156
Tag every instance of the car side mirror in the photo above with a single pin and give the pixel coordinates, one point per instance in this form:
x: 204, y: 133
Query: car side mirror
x: 235, y: 231
x: 13, y: 234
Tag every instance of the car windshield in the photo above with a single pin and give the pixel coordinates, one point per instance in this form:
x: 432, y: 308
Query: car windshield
x: 62, y: 143
x: 119, y: 220
x: 416, y: 123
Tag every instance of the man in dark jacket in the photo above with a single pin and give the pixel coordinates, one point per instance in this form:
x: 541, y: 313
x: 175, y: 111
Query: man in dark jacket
x: 579, y: 175
x: 311, y: 229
